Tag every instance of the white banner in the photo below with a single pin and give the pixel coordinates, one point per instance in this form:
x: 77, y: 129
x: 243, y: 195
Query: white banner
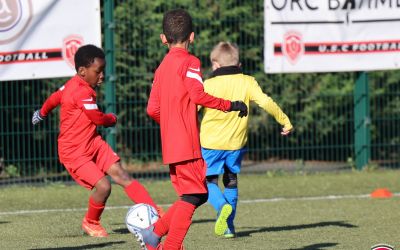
x: 38, y: 38
x: 331, y: 35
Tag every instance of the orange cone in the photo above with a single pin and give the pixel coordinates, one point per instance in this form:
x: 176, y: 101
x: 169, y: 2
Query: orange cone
x: 381, y: 193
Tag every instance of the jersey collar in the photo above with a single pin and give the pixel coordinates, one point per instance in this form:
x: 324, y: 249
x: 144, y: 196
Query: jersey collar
x: 227, y: 70
x: 177, y: 49
x: 83, y: 82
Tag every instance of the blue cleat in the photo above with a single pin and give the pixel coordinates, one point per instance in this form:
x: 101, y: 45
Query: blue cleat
x: 147, y: 238
x: 230, y: 233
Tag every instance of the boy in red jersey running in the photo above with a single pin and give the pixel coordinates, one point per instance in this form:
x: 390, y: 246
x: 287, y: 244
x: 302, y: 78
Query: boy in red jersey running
x: 85, y: 155
x: 177, y: 90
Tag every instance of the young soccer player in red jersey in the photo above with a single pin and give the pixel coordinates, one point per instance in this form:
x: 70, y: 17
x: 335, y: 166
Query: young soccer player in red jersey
x: 86, y: 156
x: 177, y: 90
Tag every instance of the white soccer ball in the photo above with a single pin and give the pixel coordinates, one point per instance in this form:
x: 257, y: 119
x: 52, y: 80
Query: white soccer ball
x: 140, y: 216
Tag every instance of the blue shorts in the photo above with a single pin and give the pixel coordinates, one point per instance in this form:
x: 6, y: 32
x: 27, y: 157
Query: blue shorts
x: 217, y: 159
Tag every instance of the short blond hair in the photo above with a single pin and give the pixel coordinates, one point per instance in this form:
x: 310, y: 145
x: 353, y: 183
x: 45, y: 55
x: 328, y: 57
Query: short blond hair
x: 225, y: 54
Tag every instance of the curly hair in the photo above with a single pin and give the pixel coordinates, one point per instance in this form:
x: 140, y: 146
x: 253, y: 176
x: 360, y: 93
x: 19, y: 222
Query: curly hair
x: 86, y: 54
x: 177, y: 26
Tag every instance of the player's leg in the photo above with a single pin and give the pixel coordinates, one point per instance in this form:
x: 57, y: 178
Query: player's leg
x: 133, y: 188
x: 98, y: 199
x: 89, y: 176
x: 220, y: 204
x: 215, y: 166
x: 231, y: 169
x: 188, y: 179
x: 109, y: 162
x: 231, y: 195
x: 151, y: 237
x: 189, y: 182
x: 215, y: 160
x: 148, y: 236
x: 215, y: 196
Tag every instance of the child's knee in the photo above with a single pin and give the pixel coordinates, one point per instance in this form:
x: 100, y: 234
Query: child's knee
x: 103, y: 186
x: 230, y: 180
x: 120, y: 176
x: 212, y: 179
x: 195, y: 199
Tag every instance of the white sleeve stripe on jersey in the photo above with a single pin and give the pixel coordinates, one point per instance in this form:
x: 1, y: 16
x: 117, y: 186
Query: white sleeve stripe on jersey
x: 194, y: 76
x: 90, y: 106
x: 88, y: 100
x: 195, y: 69
x: 62, y: 88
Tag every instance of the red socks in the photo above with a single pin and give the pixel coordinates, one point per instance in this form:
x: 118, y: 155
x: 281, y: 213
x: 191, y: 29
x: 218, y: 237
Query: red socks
x: 138, y: 193
x: 180, y: 221
x: 95, y: 209
x: 161, y: 227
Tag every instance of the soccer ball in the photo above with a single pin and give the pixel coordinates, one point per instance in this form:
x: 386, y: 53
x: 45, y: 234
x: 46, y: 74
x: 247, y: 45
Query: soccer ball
x: 140, y: 216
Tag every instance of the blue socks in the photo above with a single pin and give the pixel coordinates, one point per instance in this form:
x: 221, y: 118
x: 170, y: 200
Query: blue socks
x: 217, y: 199
x: 215, y: 196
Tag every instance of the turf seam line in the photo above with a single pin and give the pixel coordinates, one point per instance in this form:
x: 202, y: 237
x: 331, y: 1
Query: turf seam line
x: 278, y: 199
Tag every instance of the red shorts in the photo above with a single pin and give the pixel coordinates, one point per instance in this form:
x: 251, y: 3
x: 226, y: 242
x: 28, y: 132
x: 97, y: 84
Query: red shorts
x: 88, y: 170
x: 189, y: 177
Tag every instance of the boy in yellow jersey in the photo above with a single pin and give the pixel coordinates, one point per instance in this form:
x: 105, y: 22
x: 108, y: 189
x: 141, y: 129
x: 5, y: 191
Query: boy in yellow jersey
x: 223, y: 135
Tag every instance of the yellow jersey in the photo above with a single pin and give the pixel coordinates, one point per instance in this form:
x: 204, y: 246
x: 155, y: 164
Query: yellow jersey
x: 226, y: 131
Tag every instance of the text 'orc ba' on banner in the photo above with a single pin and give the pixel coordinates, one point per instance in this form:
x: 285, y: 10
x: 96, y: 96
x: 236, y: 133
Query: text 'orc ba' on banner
x: 331, y: 35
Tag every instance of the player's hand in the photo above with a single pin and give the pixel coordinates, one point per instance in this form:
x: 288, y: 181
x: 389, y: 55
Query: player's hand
x: 116, y: 117
x: 239, y: 106
x: 287, y: 130
x: 36, y: 117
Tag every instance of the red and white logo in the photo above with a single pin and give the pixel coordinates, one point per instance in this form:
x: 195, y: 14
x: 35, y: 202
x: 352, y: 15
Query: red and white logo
x: 15, y: 16
x: 382, y: 247
x: 293, y: 46
x: 70, y: 45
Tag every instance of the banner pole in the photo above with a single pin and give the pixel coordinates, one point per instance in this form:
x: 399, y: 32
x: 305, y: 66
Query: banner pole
x: 362, y: 121
x: 110, y: 79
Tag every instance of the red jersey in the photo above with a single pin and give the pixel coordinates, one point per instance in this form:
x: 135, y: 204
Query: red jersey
x: 79, y: 117
x: 177, y: 90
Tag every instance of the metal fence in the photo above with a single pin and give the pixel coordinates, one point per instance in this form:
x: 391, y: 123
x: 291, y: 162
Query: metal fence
x: 342, y: 120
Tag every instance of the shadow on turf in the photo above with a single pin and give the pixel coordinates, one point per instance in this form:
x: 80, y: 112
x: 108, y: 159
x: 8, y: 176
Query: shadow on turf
x: 294, y: 227
x: 121, y: 231
x: 203, y: 221
x: 90, y: 246
x: 124, y: 230
x: 320, y: 246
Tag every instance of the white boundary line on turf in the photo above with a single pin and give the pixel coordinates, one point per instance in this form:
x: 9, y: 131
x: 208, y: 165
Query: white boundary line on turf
x: 314, y: 198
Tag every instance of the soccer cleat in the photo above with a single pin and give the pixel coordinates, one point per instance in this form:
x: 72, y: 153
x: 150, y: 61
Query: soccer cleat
x: 229, y: 233
x: 93, y: 228
x: 221, y: 224
x: 148, y: 239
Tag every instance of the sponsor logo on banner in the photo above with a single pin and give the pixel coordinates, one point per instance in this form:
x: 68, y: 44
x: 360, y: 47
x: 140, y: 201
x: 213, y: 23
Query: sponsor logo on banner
x: 293, y: 46
x: 15, y: 16
x: 382, y: 247
x: 70, y: 45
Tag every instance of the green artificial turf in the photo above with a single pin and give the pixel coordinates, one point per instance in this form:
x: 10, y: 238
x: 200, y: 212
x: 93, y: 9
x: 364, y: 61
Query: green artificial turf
x: 275, y: 211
